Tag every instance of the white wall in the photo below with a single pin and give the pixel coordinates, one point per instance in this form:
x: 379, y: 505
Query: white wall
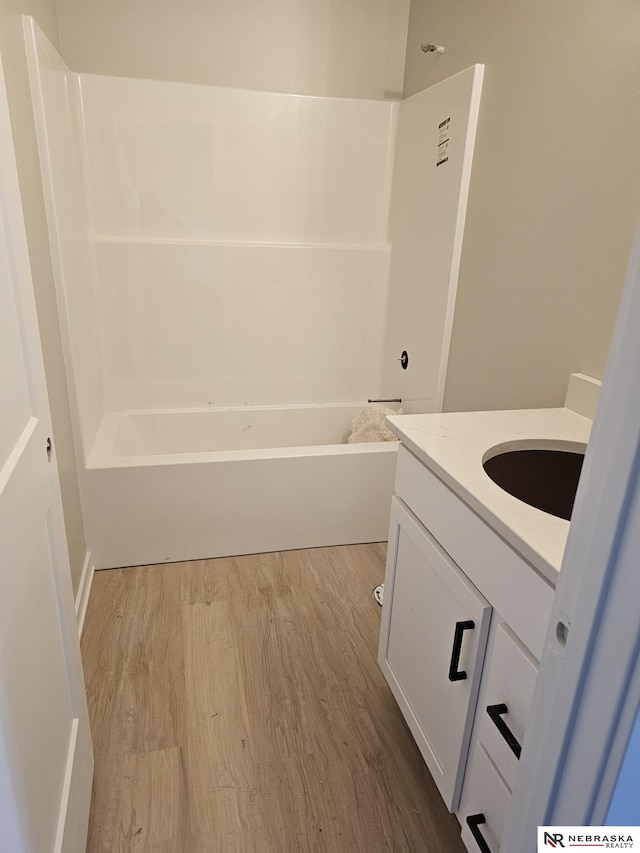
x: 349, y: 48
x: 554, y: 193
x: 22, y: 123
x: 176, y: 161
x: 199, y: 325
x: 434, y: 150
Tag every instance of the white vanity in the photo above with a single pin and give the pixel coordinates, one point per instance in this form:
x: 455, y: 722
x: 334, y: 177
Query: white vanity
x: 470, y: 577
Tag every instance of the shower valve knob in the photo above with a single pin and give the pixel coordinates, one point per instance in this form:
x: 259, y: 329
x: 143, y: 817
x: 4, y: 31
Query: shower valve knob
x: 404, y: 360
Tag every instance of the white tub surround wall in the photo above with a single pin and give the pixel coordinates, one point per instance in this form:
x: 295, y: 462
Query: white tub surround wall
x: 237, y: 241
x: 240, y: 243
x: 197, y: 325
x: 434, y: 152
x: 54, y: 92
x: 176, y: 161
x: 171, y: 486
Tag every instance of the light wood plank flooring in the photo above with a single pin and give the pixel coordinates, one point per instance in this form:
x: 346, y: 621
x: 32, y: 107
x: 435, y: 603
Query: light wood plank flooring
x: 237, y: 706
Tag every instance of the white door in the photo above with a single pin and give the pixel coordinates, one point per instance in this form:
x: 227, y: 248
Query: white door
x: 46, y: 760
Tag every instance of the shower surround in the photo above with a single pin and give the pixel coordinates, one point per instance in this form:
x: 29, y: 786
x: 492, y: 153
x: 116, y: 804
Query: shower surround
x: 222, y: 254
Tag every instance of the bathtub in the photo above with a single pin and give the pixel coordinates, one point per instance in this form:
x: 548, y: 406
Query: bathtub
x: 191, y: 484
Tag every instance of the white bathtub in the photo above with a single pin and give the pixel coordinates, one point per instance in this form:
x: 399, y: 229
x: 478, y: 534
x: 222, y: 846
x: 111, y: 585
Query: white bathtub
x: 190, y: 484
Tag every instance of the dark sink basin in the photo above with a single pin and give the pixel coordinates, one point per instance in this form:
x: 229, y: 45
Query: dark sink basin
x: 544, y: 478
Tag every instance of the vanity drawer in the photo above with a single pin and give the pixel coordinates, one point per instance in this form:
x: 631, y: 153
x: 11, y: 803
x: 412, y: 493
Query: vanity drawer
x: 503, y: 715
x: 521, y: 596
x: 485, y: 804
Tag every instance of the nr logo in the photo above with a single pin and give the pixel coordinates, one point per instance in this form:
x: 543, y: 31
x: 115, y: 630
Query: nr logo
x: 553, y: 839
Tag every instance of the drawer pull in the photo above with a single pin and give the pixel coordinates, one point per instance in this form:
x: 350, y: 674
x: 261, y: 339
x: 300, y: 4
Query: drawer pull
x: 461, y: 627
x: 496, y: 712
x: 473, y: 822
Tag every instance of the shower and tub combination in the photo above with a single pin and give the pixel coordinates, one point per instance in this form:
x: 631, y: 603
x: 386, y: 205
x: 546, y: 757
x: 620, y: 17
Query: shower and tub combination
x: 237, y: 274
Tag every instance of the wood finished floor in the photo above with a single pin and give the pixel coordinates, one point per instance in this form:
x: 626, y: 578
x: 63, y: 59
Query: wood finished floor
x: 236, y: 706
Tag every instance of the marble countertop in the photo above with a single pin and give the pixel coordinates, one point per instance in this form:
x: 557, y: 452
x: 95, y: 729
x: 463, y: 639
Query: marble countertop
x: 454, y: 446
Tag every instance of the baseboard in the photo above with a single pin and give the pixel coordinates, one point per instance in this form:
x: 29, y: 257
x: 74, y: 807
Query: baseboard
x: 84, y: 588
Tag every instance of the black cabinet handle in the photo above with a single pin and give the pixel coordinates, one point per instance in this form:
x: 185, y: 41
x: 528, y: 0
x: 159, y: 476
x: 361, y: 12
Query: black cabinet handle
x: 461, y: 627
x: 473, y: 822
x: 496, y: 712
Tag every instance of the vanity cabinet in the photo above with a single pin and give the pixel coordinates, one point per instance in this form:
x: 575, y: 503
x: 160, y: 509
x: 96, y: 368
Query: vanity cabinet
x: 459, y: 599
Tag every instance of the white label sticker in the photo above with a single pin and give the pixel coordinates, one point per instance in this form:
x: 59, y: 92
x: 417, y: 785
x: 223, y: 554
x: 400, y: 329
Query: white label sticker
x: 444, y: 135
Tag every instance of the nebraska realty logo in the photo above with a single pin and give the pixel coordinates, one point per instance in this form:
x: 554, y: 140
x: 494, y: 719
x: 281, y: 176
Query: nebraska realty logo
x: 603, y: 837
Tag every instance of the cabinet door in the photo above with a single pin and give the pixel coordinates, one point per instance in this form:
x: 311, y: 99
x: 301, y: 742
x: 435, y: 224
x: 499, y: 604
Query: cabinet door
x: 429, y: 605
